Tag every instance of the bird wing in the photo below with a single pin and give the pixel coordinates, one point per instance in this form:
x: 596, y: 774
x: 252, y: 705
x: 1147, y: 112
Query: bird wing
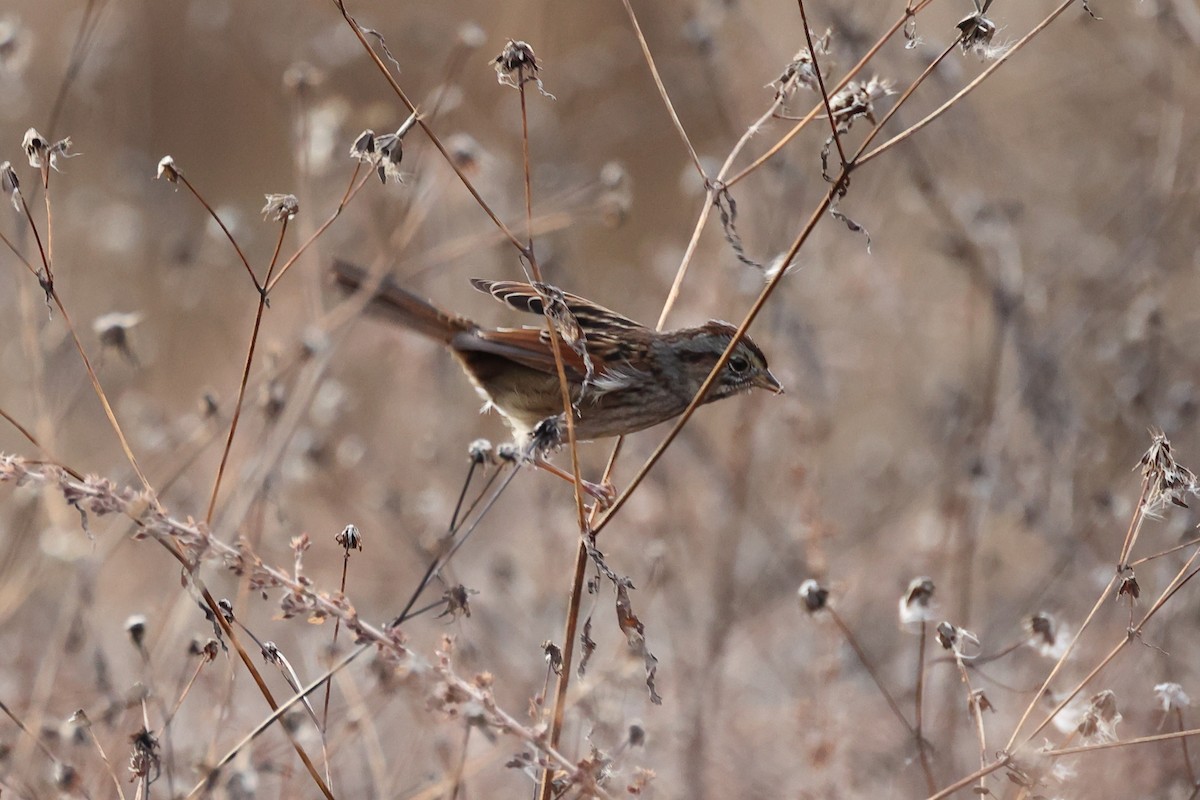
x: 528, y: 347
x: 526, y: 297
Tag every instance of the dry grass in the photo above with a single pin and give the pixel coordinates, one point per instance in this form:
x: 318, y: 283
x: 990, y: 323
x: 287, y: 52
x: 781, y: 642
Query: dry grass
x: 966, y: 399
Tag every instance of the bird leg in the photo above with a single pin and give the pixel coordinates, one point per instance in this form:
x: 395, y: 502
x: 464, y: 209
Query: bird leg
x: 603, y: 493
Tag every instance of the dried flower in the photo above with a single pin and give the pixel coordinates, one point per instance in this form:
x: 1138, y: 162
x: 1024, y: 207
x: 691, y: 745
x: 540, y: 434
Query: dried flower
x: 813, y: 596
x: 1100, y: 720
x: 167, y: 170
x: 1129, y: 586
x: 457, y: 602
x: 481, y: 451
x: 135, y: 626
x: 554, y: 656
x: 1047, y: 635
x: 349, y: 538
x: 1172, y: 696
x: 976, y: 31
x: 383, y: 151
x: 113, y: 331
x: 917, y: 603
x: 144, y: 761
x: 10, y: 184
x: 517, y: 65
x: 1167, y: 481
x: 281, y: 207
x: 858, y: 100
x: 41, y: 152
x: 802, y: 70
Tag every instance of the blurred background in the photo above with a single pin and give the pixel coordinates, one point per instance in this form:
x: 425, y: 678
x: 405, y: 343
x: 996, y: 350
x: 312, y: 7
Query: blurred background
x: 966, y: 398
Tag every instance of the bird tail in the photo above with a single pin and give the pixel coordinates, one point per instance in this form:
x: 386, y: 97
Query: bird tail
x: 400, y: 306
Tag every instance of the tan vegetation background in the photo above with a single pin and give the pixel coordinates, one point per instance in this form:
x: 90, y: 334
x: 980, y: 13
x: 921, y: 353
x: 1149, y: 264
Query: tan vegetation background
x: 965, y: 400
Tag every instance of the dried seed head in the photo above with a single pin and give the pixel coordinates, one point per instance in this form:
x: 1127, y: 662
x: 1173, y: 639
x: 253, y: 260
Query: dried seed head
x: 167, y: 170
x: 383, y: 151
x: 947, y: 635
x: 481, y: 451
x: 1129, y: 587
x: 802, y: 70
x: 209, y: 407
x: 508, y: 452
x: 457, y: 602
x: 1167, y: 481
x: 517, y: 65
x: 302, y: 78
x: 917, y: 603
x: 813, y: 596
x: 554, y: 656
x: 135, y: 626
x: 10, y: 184
x: 975, y: 34
x: 951, y: 637
x: 858, y: 100
x: 144, y: 761
x: 113, y: 331
x: 1172, y: 697
x: 41, y: 152
x: 281, y: 207
x: 637, y: 735
x: 1047, y: 635
x: 349, y: 538
x: 979, y: 701
x: 465, y: 152
x: 1100, y: 720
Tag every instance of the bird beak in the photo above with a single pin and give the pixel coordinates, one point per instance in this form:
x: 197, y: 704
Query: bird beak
x: 766, y: 380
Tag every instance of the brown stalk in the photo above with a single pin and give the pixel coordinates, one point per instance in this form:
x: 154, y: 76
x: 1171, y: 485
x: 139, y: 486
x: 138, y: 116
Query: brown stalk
x: 919, y: 713
x: 1089, y: 748
x: 944, y: 107
x: 387, y: 75
x: 662, y: 90
x: 221, y: 224
x: 237, y: 408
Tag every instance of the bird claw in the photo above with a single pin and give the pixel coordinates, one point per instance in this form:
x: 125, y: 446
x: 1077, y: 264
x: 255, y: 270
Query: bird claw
x: 605, y: 494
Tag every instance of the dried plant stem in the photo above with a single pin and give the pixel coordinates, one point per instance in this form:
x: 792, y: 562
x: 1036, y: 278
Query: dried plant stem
x: 861, y: 654
x: 1187, y: 759
x: 99, y: 390
x: 33, y: 440
x: 944, y: 107
x: 387, y: 75
x: 895, y: 28
x: 751, y: 315
x: 558, y: 710
x: 249, y: 362
x: 1058, y: 665
x: 224, y: 229
x: 1181, y: 578
x: 107, y: 764
x: 352, y: 189
x: 1182, y: 735
x: 812, y: 51
x: 1135, y: 525
x: 662, y: 90
x: 978, y: 774
x: 1182, y: 546
x: 919, y: 711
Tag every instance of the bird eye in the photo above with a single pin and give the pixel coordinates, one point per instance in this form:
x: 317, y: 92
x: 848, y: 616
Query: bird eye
x: 739, y: 364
